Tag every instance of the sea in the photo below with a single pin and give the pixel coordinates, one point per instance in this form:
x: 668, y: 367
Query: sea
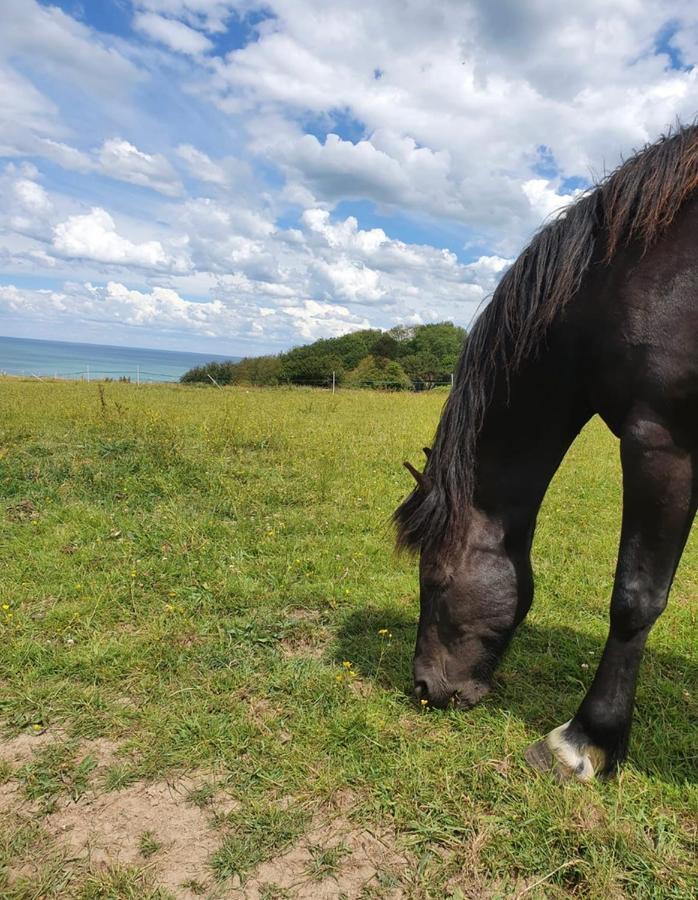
x: 63, y: 359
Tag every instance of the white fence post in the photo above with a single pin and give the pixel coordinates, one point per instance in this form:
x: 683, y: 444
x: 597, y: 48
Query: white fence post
x: 333, y: 382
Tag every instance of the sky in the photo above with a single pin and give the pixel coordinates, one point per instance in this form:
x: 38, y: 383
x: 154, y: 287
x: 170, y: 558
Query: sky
x: 242, y: 177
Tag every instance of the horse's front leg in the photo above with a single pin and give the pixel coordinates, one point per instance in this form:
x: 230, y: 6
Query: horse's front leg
x: 659, y: 504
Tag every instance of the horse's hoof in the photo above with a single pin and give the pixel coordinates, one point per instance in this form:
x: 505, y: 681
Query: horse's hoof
x: 539, y: 756
x: 566, y: 758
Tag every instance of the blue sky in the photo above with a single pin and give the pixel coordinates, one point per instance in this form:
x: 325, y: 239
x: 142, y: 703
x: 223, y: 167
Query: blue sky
x: 238, y: 177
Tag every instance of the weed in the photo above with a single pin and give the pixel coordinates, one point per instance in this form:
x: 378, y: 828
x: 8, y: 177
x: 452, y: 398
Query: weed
x: 148, y: 844
x: 326, y: 860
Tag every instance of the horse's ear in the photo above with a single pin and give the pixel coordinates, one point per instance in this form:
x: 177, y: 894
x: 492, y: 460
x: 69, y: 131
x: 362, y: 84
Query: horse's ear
x: 427, y: 451
x: 421, y: 479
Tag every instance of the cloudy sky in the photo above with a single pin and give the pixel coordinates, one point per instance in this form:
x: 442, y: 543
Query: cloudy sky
x: 240, y: 177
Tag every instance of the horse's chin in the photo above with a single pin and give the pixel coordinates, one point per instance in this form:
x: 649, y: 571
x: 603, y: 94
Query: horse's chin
x: 470, y: 694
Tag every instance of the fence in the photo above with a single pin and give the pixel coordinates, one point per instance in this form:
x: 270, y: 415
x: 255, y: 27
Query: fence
x: 90, y: 374
x: 332, y: 384
x: 140, y: 375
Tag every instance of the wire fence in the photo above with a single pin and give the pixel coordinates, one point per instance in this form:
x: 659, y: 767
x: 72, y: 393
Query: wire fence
x: 89, y: 374
x: 139, y: 376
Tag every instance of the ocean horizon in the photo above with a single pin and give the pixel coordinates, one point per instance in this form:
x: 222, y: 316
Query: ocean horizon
x: 72, y: 360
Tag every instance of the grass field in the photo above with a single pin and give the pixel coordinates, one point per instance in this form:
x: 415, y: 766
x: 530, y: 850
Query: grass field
x: 205, y: 665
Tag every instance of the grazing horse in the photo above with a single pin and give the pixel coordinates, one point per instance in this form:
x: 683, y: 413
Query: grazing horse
x: 599, y: 315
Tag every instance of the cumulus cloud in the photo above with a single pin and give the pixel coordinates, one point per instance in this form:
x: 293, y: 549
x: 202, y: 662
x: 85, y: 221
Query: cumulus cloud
x: 94, y: 236
x: 163, y: 310
x: 460, y: 122
x: 544, y: 199
x: 455, y: 100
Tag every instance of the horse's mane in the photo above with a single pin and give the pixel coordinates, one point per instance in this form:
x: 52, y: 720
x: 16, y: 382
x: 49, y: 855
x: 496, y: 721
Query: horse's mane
x: 636, y: 202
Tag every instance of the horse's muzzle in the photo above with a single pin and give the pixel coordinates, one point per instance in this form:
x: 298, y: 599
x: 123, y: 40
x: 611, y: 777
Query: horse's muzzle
x: 438, y: 693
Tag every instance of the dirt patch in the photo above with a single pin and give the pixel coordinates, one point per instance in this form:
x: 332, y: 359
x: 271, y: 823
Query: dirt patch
x: 304, y: 615
x: 24, y: 511
x: 334, y: 859
x: 304, y: 646
x: 20, y: 749
x: 103, y: 751
x: 108, y: 830
x: 144, y: 825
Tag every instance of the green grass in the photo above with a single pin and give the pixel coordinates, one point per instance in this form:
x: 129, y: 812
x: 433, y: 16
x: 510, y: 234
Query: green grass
x: 185, y: 571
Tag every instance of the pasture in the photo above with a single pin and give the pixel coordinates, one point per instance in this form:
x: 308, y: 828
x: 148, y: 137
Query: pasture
x: 205, y: 665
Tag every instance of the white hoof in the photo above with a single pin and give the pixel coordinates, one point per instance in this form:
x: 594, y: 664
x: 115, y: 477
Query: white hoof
x: 566, y: 758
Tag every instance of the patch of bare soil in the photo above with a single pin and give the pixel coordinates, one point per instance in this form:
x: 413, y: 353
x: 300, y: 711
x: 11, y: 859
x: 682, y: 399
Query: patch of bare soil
x: 24, y: 511
x: 303, y: 645
x: 106, y: 830
x: 303, y: 614
x: 334, y: 859
x: 103, y: 830
x: 19, y: 750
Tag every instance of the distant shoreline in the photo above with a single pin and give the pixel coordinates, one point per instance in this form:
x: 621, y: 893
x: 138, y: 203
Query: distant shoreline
x: 41, y: 358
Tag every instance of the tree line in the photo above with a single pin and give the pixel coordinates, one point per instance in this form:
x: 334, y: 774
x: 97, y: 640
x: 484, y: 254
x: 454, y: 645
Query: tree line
x: 403, y: 357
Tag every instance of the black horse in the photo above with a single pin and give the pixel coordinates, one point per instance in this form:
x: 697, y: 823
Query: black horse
x: 599, y: 315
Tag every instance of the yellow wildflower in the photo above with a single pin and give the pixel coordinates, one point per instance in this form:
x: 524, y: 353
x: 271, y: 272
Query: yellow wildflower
x: 346, y: 664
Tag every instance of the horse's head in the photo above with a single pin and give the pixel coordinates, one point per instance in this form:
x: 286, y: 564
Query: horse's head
x: 472, y: 598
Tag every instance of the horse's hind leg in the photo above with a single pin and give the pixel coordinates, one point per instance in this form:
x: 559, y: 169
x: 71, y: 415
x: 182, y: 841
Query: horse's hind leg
x: 659, y: 504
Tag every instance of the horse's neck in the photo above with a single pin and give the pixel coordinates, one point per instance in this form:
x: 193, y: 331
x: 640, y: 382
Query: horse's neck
x: 527, y: 429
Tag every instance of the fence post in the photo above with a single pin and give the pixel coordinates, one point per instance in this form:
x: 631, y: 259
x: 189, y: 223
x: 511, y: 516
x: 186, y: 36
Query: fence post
x: 451, y: 379
x: 333, y: 382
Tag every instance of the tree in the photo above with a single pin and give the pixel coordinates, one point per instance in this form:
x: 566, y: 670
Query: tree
x: 379, y: 372
x: 386, y: 346
x: 425, y: 354
x: 423, y: 367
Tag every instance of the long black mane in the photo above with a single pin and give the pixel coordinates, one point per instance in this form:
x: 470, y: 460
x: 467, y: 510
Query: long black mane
x: 636, y: 202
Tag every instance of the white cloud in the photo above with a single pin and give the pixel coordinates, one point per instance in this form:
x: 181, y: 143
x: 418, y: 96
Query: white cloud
x: 56, y: 44
x: 313, y: 320
x: 164, y: 310
x: 202, y: 166
x: 455, y: 99
x: 461, y: 120
x: 94, y: 236
x: 175, y: 35
x: 544, y: 199
x: 120, y: 159
x: 209, y: 15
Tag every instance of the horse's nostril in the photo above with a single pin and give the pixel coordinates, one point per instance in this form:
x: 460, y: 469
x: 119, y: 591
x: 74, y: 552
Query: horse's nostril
x: 420, y: 690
